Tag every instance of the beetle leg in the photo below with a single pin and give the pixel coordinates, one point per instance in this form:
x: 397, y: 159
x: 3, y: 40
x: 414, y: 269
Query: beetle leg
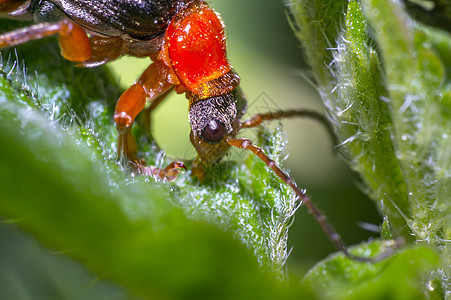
x: 74, y: 43
x: 169, y: 173
x: 259, y: 118
x: 104, y: 49
x: 154, y: 82
x: 198, y: 170
x: 151, y: 87
x: 7, y: 6
x: 146, y: 119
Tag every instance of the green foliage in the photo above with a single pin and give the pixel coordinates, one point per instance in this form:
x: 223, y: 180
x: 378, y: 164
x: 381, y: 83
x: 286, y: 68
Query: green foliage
x: 60, y: 180
x: 340, y: 278
x: 385, y: 80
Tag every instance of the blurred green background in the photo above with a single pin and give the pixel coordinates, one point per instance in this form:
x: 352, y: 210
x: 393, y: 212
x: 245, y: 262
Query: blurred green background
x: 266, y: 55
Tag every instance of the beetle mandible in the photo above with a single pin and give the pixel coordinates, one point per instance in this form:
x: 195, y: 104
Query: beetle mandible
x: 186, y: 41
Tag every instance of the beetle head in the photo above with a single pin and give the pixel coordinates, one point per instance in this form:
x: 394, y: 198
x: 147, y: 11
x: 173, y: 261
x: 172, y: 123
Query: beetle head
x: 211, y: 120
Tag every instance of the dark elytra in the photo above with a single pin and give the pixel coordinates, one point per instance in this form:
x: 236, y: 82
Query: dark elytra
x: 143, y: 20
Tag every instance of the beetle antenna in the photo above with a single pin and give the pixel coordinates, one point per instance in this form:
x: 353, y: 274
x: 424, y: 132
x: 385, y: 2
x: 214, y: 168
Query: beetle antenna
x: 259, y: 118
x: 246, y: 144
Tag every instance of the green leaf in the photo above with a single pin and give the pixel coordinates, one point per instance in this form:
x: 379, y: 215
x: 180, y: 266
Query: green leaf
x: 341, y: 278
x: 385, y: 80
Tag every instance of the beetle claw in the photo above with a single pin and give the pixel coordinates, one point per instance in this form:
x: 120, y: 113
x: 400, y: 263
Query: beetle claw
x: 169, y: 173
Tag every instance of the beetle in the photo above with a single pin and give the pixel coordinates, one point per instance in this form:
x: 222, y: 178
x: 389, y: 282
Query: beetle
x: 186, y: 41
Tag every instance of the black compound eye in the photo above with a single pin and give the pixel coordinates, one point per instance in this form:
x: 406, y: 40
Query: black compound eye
x: 214, y: 132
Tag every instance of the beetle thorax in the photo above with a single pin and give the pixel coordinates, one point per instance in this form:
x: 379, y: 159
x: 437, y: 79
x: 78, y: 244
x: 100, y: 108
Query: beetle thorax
x: 196, y: 47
